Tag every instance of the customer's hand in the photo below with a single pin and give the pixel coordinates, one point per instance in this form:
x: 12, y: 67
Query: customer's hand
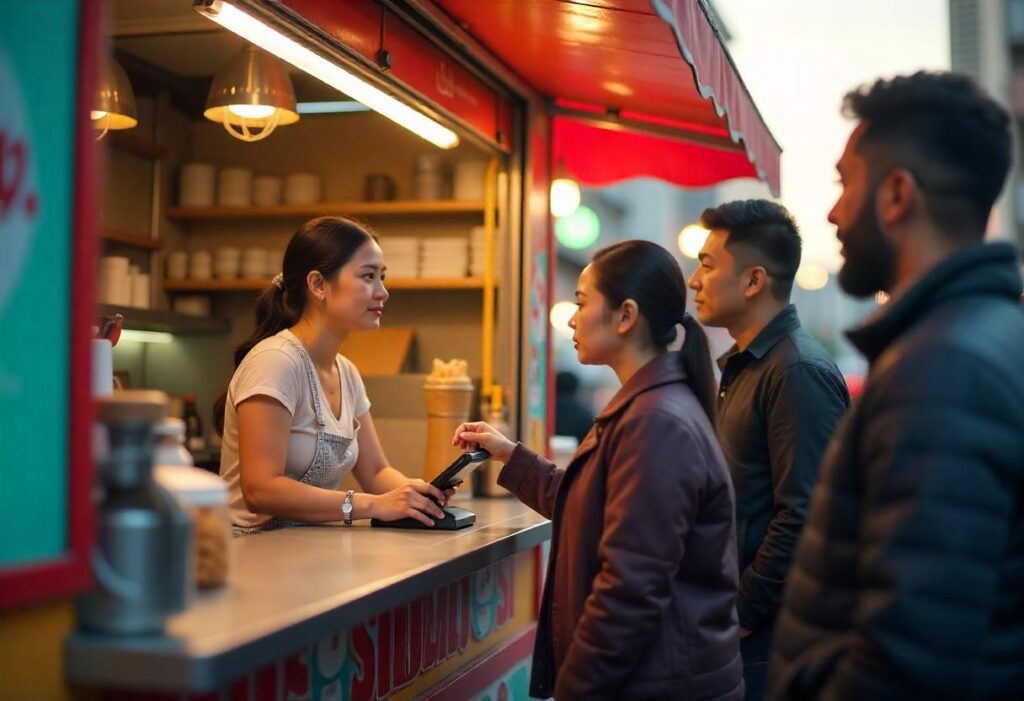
x: 477, y: 433
x: 410, y: 500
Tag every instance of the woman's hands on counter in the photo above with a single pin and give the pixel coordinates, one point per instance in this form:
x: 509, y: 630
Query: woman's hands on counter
x: 479, y: 433
x: 409, y: 500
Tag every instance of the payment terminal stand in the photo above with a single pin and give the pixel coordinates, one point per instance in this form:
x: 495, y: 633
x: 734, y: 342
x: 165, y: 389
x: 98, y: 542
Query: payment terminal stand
x: 454, y: 517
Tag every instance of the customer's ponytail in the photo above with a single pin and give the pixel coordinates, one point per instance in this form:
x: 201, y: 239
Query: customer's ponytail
x: 696, y: 359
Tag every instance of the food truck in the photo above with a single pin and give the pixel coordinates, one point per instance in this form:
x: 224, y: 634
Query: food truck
x: 129, y: 186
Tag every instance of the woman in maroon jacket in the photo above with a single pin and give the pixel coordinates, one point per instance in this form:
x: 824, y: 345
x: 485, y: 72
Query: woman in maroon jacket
x: 642, y: 576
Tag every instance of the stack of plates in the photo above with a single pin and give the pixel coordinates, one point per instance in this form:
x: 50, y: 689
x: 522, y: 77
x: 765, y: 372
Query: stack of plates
x: 444, y: 256
x: 478, y: 251
x: 401, y: 256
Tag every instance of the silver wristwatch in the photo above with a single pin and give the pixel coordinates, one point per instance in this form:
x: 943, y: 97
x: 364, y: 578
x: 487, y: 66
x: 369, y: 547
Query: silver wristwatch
x: 346, y: 508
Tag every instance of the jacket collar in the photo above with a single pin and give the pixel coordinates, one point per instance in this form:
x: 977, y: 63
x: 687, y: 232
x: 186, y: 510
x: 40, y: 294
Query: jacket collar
x: 981, y: 269
x: 665, y: 369
x: 783, y: 324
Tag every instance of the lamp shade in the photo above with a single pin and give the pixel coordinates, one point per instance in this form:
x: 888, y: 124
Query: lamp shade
x: 252, y: 91
x: 114, y: 104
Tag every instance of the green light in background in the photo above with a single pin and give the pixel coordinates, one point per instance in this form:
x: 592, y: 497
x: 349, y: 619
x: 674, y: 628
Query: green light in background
x: 579, y: 229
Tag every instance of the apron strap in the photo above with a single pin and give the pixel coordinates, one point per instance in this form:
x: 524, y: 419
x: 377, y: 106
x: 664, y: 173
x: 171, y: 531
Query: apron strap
x: 314, y: 382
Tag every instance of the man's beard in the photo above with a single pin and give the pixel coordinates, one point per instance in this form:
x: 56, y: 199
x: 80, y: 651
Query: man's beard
x: 870, y: 257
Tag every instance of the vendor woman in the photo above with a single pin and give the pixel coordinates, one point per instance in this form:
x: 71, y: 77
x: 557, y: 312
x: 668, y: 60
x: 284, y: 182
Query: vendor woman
x: 296, y: 415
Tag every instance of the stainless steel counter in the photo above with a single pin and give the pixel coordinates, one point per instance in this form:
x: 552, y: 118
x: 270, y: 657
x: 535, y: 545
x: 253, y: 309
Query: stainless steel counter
x: 294, y: 586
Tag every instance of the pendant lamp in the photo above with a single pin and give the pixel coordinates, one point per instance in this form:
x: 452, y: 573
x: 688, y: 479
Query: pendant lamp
x: 251, y: 95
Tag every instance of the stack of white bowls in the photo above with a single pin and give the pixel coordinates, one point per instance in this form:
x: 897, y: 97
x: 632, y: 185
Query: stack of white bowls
x: 477, y: 251
x: 177, y: 265
x: 234, y: 187
x: 301, y: 189
x: 444, y: 256
x: 227, y: 262
x: 266, y: 190
x: 470, y: 180
x: 200, y: 265
x: 401, y: 256
x: 115, y: 281
x: 196, y: 185
x: 254, y: 263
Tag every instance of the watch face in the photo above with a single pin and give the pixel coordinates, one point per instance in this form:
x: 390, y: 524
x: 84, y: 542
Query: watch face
x: 346, y: 508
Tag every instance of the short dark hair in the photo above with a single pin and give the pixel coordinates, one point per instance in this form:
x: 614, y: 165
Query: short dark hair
x: 942, y: 127
x: 767, y: 232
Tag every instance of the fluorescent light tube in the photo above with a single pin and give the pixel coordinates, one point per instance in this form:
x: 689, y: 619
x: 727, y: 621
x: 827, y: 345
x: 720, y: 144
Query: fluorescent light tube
x: 287, y: 49
x: 146, y: 336
x: 331, y: 107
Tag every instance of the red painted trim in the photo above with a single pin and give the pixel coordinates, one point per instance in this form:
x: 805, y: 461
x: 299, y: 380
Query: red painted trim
x: 472, y: 679
x: 552, y: 252
x: 71, y: 573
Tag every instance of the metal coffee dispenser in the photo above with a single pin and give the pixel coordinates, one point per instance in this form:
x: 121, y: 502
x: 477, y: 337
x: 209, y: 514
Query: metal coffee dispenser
x: 142, y: 556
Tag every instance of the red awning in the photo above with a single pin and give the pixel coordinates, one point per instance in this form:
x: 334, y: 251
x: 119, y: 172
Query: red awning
x: 641, y: 87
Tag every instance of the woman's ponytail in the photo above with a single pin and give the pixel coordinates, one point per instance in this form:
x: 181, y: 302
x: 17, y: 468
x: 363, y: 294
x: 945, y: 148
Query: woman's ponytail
x: 273, y: 314
x: 696, y: 360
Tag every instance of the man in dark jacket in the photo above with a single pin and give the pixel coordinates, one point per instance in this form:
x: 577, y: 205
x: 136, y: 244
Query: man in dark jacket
x: 780, y: 399
x: 908, y: 581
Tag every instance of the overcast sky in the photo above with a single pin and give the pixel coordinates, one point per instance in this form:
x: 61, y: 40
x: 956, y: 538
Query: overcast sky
x: 799, y: 57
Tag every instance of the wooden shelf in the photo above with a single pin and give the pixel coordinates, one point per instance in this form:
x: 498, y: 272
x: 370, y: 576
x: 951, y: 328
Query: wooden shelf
x: 248, y: 285
x: 134, y: 240
x: 161, y: 320
x: 285, y: 211
x: 126, y: 141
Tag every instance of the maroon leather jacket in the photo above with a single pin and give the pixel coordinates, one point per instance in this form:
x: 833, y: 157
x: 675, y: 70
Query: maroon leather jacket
x: 639, y: 601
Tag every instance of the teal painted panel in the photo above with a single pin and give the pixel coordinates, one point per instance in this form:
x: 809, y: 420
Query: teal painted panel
x: 38, y: 49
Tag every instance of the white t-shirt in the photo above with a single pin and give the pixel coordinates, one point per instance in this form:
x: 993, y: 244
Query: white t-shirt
x: 275, y: 368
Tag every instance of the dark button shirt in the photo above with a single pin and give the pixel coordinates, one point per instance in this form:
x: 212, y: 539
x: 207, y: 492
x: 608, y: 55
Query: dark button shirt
x: 779, y: 403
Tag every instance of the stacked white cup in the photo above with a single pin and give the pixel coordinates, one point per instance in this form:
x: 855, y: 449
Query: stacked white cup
x: 470, y: 180
x: 200, y: 265
x: 140, y: 290
x: 266, y: 190
x: 196, y: 186
x: 227, y: 262
x: 428, y: 177
x: 234, y: 187
x: 177, y: 265
x: 115, y: 281
x: 254, y: 263
x: 301, y: 189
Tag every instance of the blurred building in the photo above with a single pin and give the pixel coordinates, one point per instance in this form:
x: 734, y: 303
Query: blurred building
x: 987, y: 43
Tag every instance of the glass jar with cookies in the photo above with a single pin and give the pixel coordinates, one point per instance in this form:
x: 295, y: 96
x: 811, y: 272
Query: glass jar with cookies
x: 205, y: 497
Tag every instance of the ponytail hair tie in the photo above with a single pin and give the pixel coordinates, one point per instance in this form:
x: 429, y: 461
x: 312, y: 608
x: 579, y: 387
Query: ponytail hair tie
x: 278, y: 281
